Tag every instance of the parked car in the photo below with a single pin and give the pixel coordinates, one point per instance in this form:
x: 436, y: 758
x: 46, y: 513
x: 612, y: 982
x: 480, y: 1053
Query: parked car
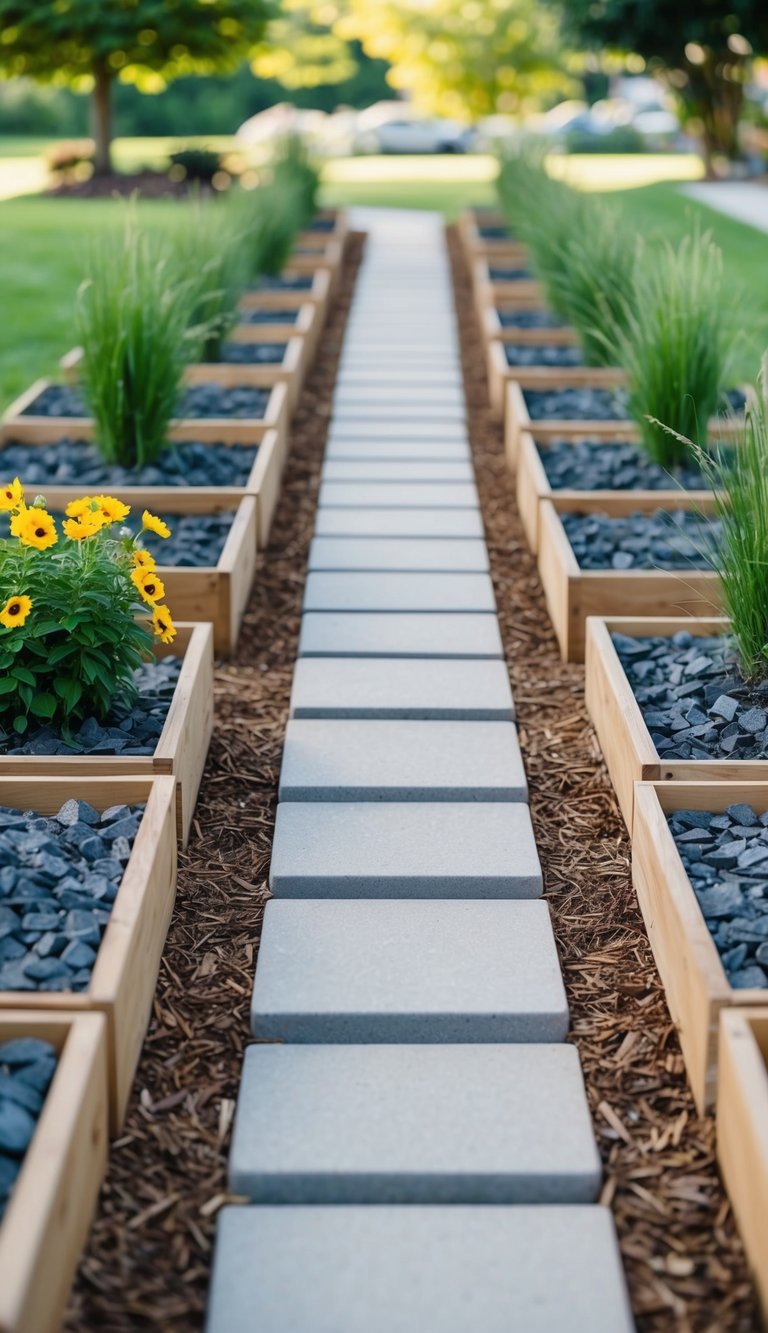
x: 394, y: 127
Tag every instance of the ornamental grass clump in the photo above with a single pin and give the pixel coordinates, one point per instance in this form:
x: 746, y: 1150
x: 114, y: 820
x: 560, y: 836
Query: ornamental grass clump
x: 673, y: 342
x: 293, y: 168
x: 594, y: 285
x: 269, y: 221
x: 70, y: 594
x: 132, y: 316
x: 210, y: 254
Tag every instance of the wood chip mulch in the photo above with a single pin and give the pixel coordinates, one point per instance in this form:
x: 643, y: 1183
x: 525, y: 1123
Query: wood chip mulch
x: 147, y: 1262
x: 683, y: 1257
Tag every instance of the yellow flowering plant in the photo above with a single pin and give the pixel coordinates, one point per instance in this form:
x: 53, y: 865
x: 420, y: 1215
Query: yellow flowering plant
x: 70, y: 594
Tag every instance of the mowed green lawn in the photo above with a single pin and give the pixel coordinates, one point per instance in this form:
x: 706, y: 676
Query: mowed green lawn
x: 44, y: 242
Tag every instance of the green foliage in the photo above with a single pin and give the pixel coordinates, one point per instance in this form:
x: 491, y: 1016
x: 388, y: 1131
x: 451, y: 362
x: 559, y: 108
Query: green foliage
x: 739, y: 479
x: 197, y: 164
x: 270, y: 218
x: 77, y: 650
x: 133, y: 313
x: 210, y: 260
x: 673, y: 345
x: 294, y: 170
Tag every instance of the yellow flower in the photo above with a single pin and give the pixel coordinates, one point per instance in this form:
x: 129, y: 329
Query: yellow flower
x: 76, y: 508
x: 12, y: 496
x: 15, y: 611
x: 34, y: 527
x: 111, y: 510
x: 87, y: 525
x: 143, y: 560
x: 163, y: 624
x: 148, y: 585
x: 154, y: 524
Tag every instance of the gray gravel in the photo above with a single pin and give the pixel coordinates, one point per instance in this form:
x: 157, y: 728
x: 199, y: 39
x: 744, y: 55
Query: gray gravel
x: 529, y: 319
x: 666, y: 539
x: 59, y: 877
x: 523, y: 354
x: 693, y: 699
x: 489, y: 233
x: 726, y: 858
x: 595, y: 465
x: 253, y: 354
x: 78, y: 463
x: 196, y: 540
x: 133, y: 730
x: 267, y: 316
x: 199, y: 400
x: 301, y: 283
x: 505, y: 273
x: 27, y: 1066
x: 576, y: 404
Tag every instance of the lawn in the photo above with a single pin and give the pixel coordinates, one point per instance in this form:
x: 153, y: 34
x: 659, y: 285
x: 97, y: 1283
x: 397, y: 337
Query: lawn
x: 44, y: 241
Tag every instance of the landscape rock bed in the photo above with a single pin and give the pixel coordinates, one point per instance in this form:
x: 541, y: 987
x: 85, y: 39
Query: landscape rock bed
x: 593, y: 465
x: 196, y: 540
x: 79, y: 463
x: 129, y: 729
x: 494, y: 233
x: 301, y: 282
x: 259, y: 315
x: 666, y: 539
x: 726, y: 859
x: 554, y: 355
x: 530, y: 319
x: 576, y: 404
x: 27, y: 1066
x: 59, y: 877
x: 503, y: 273
x: 253, y: 354
x: 198, y: 400
x: 692, y: 697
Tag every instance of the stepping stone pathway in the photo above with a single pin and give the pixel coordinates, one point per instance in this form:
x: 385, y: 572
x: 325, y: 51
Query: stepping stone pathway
x: 412, y: 1144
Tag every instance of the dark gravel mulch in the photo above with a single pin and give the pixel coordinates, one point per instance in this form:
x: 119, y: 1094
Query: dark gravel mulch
x: 27, y: 1066
x: 596, y: 465
x: 199, y: 400
x: 149, y: 184
x: 79, y: 463
x: 524, y: 354
x: 666, y: 539
x: 147, y: 1262
x: 302, y: 282
x: 693, y: 699
x: 508, y: 273
x: 259, y: 315
x: 684, y: 1261
x: 494, y: 233
x: 576, y: 404
x: 253, y: 354
x: 529, y: 319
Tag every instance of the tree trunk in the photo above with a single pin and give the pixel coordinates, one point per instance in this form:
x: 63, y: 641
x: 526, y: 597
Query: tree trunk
x: 101, y: 119
x: 717, y: 102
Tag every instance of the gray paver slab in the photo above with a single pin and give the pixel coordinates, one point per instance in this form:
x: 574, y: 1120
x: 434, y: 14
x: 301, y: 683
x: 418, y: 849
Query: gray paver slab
x: 397, y: 553
x: 413, y: 1124
x: 526, y: 1269
x: 412, y: 451
x: 399, y: 470
x: 407, y: 970
x: 394, y: 495
x: 373, y: 849
x: 393, y: 634
x: 388, y: 397
x: 451, y: 689
x: 458, y: 524
x: 378, y: 429
x: 350, y: 590
x: 396, y: 414
x: 341, y: 760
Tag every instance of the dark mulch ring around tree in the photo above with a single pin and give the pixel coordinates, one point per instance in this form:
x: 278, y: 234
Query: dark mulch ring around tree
x: 149, y: 184
x: 683, y: 1257
x: 147, y: 1262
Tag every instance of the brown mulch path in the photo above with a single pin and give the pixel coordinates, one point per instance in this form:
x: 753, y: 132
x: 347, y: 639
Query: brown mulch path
x: 147, y: 1262
x: 683, y: 1257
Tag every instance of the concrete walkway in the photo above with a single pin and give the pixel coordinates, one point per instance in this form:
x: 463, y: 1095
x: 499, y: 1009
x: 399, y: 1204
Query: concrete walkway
x: 743, y: 200
x: 412, y: 1134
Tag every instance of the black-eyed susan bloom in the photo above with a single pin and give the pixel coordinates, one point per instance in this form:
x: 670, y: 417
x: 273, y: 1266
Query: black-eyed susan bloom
x: 86, y: 525
x: 15, y: 611
x: 144, y: 560
x: 35, y: 527
x: 163, y: 625
x: 149, y: 587
x: 11, y: 496
x: 111, y: 510
x: 152, y: 523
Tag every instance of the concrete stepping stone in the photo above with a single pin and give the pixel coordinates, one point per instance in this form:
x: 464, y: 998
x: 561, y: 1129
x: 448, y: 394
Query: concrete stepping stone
x: 394, y: 634
x: 377, y: 429
x: 410, y: 451
x: 447, y: 689
x: 406, y: 970
x: 351, y: 760
x: 413, y: 1124
x: 397, y: 495
x: 395, y: 1269
x: 453, y: 523
x: 397, y: 397
x: 395, y: 414
x: 392, y: 553
x: 400, y: 470
x: 351, y: 590
x: 387, y: 850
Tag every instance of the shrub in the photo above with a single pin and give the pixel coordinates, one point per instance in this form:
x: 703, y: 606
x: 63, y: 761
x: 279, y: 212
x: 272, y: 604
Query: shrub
x: 196, y: 164
x: 62, y: 159
x: 210, y: 254
x: 132, y: 319
x: 672, y: 342
x: 69, y: 637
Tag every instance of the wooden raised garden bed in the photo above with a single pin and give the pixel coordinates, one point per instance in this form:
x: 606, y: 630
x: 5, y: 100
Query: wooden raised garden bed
x: 306, y: 326
x: 628, y: 750
x: 128, y: 959
x: 181, y: 748
x: 517, y: 421
x: 19, y: 424
x: 339, y: 231
x: 276, y: 298
x: 742, y: 1132
x: 49, y: 1213
x: 500, y: 249
x: 500, y: 374
x: 573, y: 593
x: 492, y: 328
x: 695, y: 982
x: 519, y: 293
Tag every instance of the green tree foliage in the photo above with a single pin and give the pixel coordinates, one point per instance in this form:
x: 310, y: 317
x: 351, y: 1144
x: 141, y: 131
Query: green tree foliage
x: 703, y: 50
x: 89, y: 44
x: 463, y: 58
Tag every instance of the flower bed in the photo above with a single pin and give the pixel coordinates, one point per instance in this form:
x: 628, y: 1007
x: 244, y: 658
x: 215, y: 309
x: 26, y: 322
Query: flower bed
x: 742, y: 1127
x: 698, y: 868
x: 99, y: 859
x: 49, y: 1211
x: 622, y: 558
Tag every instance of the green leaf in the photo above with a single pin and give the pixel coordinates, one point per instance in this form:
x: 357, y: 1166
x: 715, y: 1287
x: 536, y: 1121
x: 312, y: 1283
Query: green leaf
x: 20, y: 724
x: 7, y: 685
x: 21, y: 673
x: 43, y: 705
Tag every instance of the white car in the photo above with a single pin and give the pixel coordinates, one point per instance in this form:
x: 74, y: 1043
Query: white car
x: 394, y: 127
